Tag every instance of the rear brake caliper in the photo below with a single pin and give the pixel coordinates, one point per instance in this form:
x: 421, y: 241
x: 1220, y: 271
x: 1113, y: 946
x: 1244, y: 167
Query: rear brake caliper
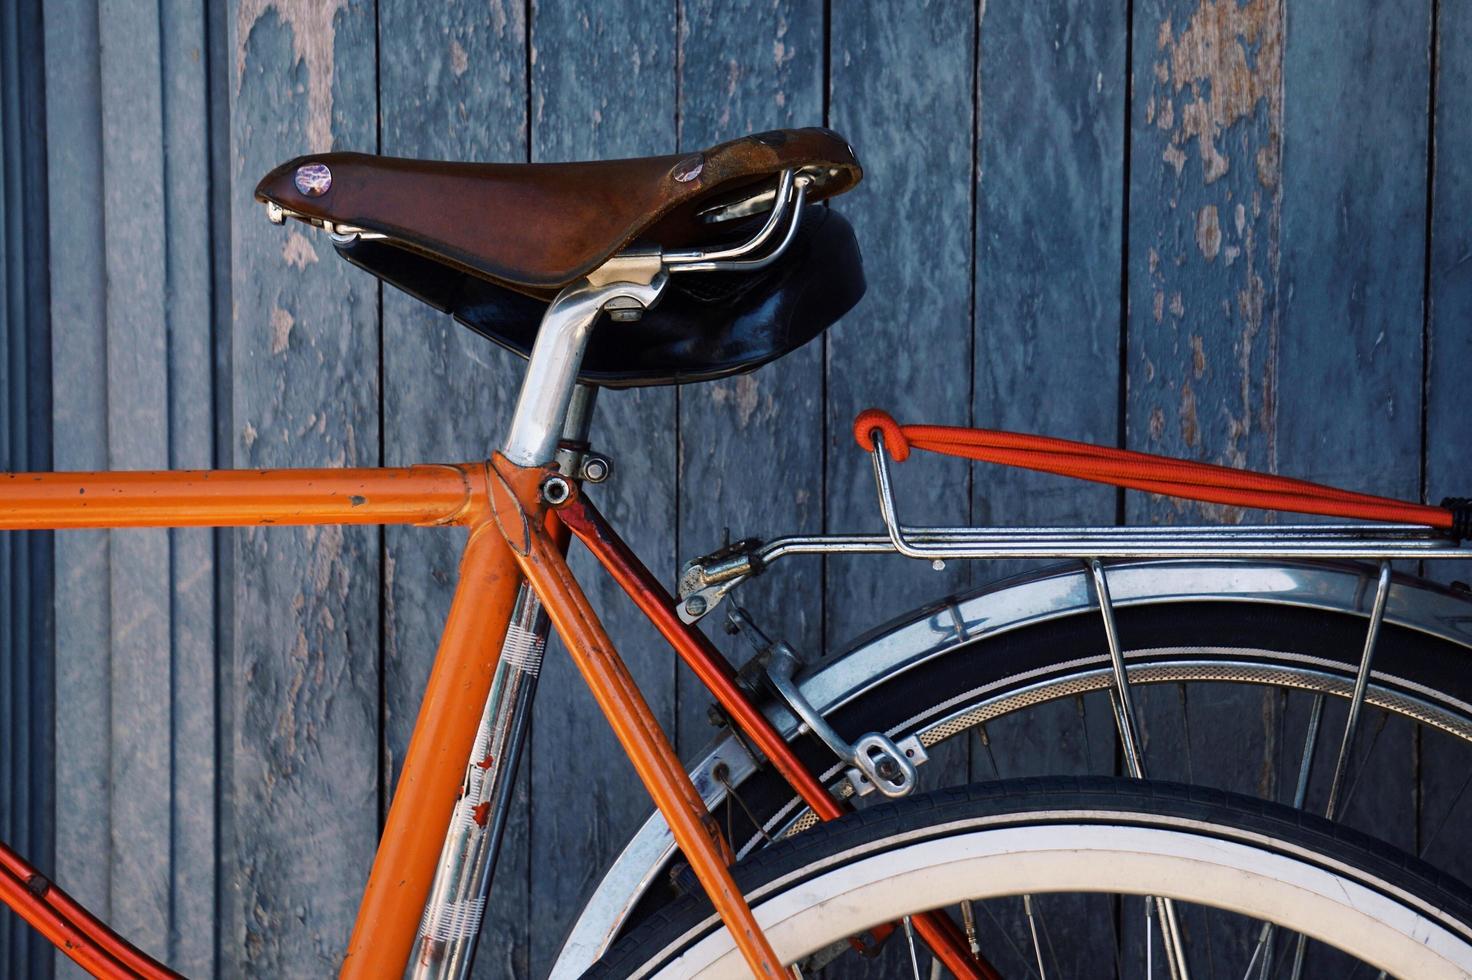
x: 877, y: 761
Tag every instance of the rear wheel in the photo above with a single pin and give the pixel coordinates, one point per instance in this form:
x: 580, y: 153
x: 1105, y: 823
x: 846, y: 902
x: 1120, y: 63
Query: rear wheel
x: 1286, y: 665
x: 1234, y: 865
x: 1035, y: 701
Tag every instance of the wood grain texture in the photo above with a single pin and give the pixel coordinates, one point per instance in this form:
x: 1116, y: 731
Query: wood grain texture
x: 905, y: 98
x: 137, y: 422
x: 1446, y: 793
x: 751, y: 447
x: 452, y: 86
x: 1449, y: 278
x: 188, y: 313
x: 79, y: 421
x: 305, y: 358
x: 602, y: 86
x: 1355, y: 149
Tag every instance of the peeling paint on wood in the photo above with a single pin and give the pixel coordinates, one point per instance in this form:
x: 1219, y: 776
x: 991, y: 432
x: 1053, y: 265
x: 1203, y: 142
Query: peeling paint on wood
x: 313, y: 41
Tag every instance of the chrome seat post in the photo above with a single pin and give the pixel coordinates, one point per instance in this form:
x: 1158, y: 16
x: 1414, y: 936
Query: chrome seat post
x: 626, y: 284
x: 551, y: 407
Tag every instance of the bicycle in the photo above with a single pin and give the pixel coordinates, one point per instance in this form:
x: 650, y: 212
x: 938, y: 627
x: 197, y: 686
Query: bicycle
x: 712, y: 264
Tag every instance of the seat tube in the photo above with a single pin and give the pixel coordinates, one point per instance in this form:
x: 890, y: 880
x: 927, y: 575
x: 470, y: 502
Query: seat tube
x: 450, y: 929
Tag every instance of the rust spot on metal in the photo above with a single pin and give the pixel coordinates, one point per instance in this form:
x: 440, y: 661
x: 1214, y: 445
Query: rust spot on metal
x: 357, y: 500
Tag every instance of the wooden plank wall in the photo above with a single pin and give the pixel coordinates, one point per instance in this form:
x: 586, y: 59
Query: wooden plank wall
x: 1231, y: 230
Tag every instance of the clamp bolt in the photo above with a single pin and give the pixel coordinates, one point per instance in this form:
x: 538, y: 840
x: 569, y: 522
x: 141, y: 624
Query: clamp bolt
x: 695, y: 605
x: 596, y: 468
x: 556, y: 489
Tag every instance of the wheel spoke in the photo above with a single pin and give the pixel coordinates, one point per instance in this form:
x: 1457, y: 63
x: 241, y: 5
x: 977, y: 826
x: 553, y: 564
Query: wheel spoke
x: 1361, y: 681
x: 910, y: 938
x: 1032, y: 927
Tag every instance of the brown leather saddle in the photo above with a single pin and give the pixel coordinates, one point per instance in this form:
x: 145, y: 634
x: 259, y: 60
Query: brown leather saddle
x: 493, y: 243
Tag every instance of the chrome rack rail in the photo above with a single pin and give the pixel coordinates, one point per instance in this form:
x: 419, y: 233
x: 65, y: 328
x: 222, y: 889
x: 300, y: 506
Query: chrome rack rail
x: 705, y: 581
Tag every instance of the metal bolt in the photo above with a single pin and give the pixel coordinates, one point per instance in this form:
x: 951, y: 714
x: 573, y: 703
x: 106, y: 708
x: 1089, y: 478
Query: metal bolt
x: 695, y: 605
x: 596, y: 469
x: 556, y: 490
x: 938, y: 565
x: 887, y: 769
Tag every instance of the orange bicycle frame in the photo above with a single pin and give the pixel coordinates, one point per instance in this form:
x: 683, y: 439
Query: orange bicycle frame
x: 514, y: 506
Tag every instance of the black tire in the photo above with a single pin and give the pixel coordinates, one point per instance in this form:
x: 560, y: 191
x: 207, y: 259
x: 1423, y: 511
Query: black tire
x: 951, y: 813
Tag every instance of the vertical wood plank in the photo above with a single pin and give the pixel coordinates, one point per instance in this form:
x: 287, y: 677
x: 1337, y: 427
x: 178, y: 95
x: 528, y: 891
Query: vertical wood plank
x: 1449, y: 279
x: 1446, y: 799
x: 188, y: 315
x: 603, y: 85
x: 902, y: 89
x: 751, y: 447
x: 137, y: 423
x: 305, y: 356
x: 1205, y: 213
x: 1202, y: 332
x: 79, y: 419
x: 904, y: 98
x: 1354, y: 224
x: 452, y: 86
x: 1051, y: 105
x: 27, y: 693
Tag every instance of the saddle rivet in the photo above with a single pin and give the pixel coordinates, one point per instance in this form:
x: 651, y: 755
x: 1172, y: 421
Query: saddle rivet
x: 313, y: 179
x: 688, y: 168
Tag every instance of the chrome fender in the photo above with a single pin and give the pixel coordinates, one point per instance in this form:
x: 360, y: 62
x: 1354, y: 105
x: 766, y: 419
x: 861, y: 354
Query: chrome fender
x: 935, y: 630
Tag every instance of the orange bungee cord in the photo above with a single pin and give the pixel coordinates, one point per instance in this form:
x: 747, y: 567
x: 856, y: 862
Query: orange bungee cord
x: 1156, y: 474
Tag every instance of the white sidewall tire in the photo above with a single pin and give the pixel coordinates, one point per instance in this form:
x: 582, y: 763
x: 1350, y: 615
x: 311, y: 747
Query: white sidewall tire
x: 1387, y: 930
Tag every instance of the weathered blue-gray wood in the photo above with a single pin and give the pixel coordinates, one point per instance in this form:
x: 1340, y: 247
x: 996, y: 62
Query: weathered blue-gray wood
x: 751, y: 447
x: 452, y: 85
x: 27, y: 692
x: 1201, y: 330
x: 1051, y: 104
x: 79, y: 362
x: 1446, y: 794
x: 191, y: 338
x: 906, y: 99
x: 1356, y: 98
x: 305, y: 382
x: 138, y: 437
x: 602, y: 85
x: 1449, y: 280
x: 133, y: 353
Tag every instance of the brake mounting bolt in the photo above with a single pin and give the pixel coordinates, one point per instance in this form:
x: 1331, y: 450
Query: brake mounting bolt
x: 556, y: 489
x: 696, y: 605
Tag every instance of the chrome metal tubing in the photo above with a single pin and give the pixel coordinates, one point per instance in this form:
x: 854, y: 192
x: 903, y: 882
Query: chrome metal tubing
x: 450, y: 928
x: 1125, y: 721
x: 1362, y: 679
x: 734, y: 258
x: 557, y: 355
